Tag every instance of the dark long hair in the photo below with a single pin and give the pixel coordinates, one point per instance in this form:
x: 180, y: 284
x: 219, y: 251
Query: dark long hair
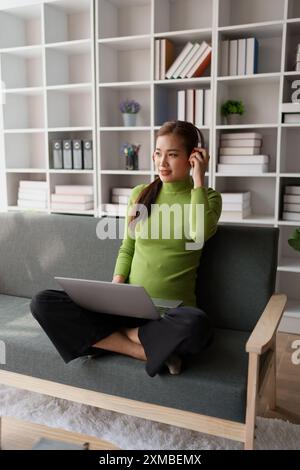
x: 191, y: 136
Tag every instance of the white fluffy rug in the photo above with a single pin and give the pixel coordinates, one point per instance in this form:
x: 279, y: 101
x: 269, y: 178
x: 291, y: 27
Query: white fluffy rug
x: 131, y: 433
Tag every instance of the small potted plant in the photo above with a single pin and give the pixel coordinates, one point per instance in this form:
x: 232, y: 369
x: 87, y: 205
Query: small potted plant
x: 232, y: 110
x: 131, y: 152
x: 294, y: 241
x: 129, y: 110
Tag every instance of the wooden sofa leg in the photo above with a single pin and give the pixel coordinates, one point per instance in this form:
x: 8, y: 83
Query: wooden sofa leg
x: 252, y: 388
x: 0, y: 433
x: 272, y: 382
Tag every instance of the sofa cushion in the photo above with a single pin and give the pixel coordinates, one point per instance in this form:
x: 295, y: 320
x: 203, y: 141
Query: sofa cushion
x: 214, y: 382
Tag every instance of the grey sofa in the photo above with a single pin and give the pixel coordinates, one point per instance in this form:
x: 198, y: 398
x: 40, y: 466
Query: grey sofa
x: 216, y: 393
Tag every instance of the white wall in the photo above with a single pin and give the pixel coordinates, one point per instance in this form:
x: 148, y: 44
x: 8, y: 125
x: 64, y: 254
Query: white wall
x: 19, y: 3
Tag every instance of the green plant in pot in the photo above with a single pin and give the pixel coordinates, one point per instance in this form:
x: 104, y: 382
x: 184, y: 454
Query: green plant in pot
x: 232, y: 110
x: 294, y: 241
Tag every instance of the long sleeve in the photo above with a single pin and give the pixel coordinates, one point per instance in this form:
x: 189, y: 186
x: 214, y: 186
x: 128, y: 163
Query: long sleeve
x: 212, y: 207
x: 126, y: 251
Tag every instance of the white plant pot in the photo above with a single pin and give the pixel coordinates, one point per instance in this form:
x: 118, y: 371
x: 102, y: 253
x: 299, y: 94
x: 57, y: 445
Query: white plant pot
x: 129, y: 119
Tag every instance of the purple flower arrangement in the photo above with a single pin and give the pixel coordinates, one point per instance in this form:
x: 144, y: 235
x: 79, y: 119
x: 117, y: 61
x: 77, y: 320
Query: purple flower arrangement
x: 129, y: 106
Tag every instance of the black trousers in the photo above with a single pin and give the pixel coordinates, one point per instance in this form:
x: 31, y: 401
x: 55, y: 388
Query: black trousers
x: 73, y: 330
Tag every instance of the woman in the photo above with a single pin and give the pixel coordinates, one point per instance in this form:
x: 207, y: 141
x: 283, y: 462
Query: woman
x: 163, y: 265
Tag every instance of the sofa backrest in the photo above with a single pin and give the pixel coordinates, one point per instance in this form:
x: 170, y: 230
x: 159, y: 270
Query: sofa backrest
x: 236, y: 275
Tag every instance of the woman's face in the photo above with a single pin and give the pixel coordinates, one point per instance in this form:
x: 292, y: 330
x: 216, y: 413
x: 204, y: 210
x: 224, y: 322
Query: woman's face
x: 170, y: 158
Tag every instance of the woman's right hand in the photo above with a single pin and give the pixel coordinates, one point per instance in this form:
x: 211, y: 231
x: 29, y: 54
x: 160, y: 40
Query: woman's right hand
x: 118, y: 279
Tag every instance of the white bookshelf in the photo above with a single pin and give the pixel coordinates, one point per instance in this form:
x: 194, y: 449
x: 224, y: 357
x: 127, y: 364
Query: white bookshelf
x: 68, y: 64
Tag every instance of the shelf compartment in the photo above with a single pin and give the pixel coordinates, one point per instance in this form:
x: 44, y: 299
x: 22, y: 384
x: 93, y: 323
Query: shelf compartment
x: 117, y: 18
x: 70, y: 107
x: 22, y: 68
x: 110, y: 99
x: 72, y: 179
x: 262, y: 195
x: 23, y: 110
x: 25, y: 151
x: 124, y: 61
x: 12, y: 184
x: 293, y: 9
x: 288, y: 283
x: 290, y: 143
x: 68, y: 135
x: 269, y: 146
x: 269, y: 38
x: 67, y: 21
x: 289, y: 258
x: 166, y: 101
x: 110, y: 149
x: 179, y: 15
x: 238, y: 12
x: 252, y: 94
x: 286, y: 181
x: 69, y: 64
x: 292, y: 41
x: 20, y: 27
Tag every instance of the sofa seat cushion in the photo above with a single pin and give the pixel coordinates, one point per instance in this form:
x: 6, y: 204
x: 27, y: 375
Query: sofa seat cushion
x: 213, y: 383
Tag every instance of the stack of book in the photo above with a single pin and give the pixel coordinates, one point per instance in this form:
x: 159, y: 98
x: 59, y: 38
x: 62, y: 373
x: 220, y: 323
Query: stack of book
x: 191, y: 62
x: 119, y: 201
x: 241, y: 153
x: 291, y: 203
x: 291, y: 112
x: 72, y: 198
x: 194, y: 106
x: 239, y: 56
x: 235, y: 206
x: 32, y: 194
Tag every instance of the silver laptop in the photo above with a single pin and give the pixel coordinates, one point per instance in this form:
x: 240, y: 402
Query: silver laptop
x: 115, y: 298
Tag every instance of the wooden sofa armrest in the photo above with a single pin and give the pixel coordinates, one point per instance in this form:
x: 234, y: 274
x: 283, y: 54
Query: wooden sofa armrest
x: 262, y: 335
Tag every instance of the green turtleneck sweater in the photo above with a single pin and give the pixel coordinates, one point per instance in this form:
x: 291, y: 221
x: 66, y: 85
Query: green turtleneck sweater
x: 161, y: 263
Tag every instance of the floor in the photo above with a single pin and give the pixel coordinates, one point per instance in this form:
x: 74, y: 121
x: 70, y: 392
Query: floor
x: 20, y: 435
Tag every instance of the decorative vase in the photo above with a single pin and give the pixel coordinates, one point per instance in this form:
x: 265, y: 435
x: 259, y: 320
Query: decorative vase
x: 233, y: 119
x: 129, y: 119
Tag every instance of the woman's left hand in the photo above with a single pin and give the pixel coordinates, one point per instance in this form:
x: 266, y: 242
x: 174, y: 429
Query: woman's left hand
x: 199, y: 160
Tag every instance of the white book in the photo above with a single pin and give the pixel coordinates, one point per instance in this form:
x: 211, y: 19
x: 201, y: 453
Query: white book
x: 255, y: 168
x: 290, y: 107
x: 82, y: 198
x: 181, y: 105
x: 122, y: 191
x: 199, y: 107
x: 235, y: 206
x: 239, y: 151
x: 233, y: 57
x: 199, y: 60
x: 245, y: 151
x: 207, y: 107
x: 179, y: 72
x: 33, y: 203
x: 251, y: 56
x: 291, y: 118
x: 157, y: 59
x: 190, y: 105
x: 120, y: 199
x: 179, y: 59
x: 225, y: 57
x: 291, y: 207
x: 292, y: 190
x: 193, y: 59
x: 291, y: 199
x: 73, y: 189
x: 32, y: 184
x: 241, y: 135
x: 291, y: 216
x: 242, y: 159
x: 240, y: 142
x: 241, y: 65
x: 115, y: 209
x: 236, y: 197
x: 33, y: 195
x: 72, y: 206
x: 235, y: 215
